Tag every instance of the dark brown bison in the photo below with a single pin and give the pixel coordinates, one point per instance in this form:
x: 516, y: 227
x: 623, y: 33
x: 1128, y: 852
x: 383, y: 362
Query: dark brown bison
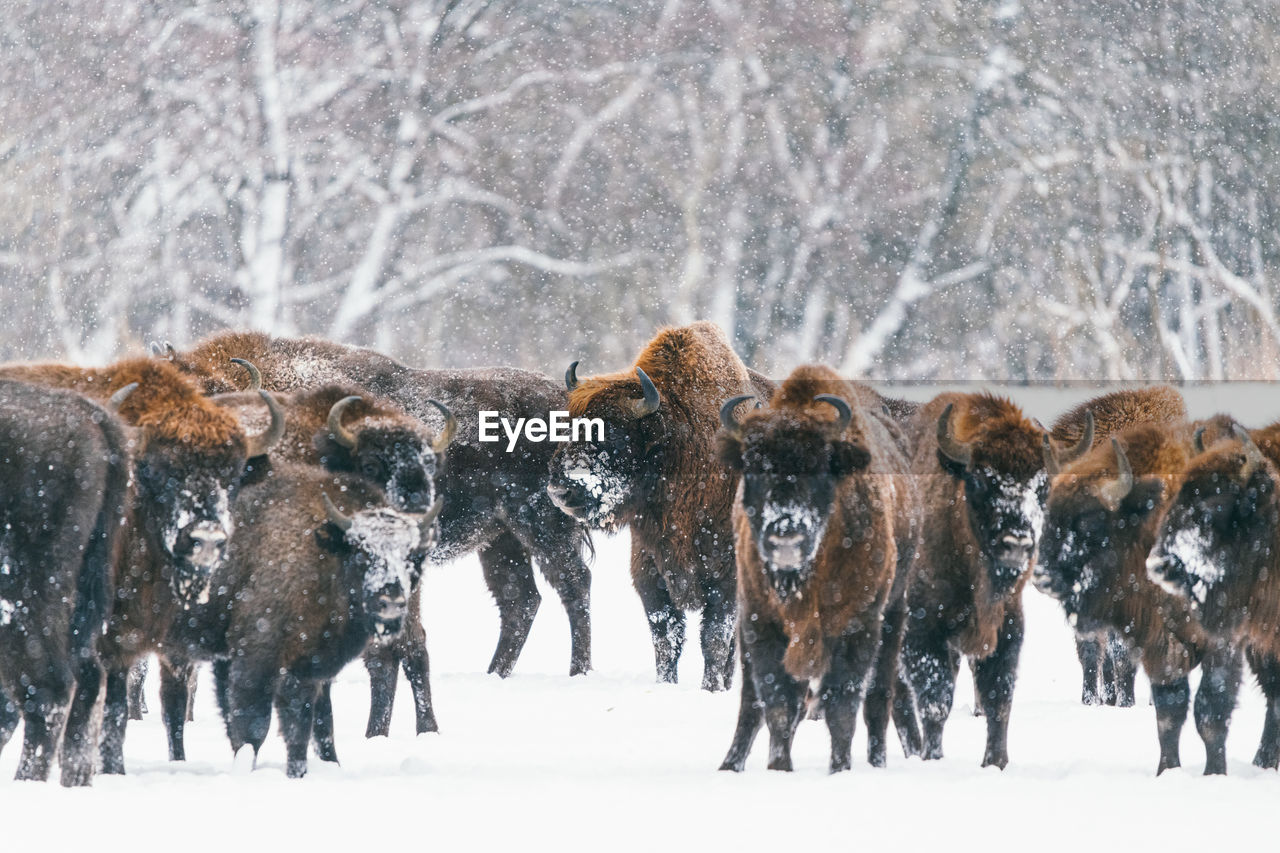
x: 320, y: 566
x: 495, y: 502
x: 343, y: 428
x: 1107, y: 662
x: 827, y: 523
x: 1100, y: 526
x: 1216, y: 550
x: 189, y: 457
x: 656, y: 471
x: 64, y: 499
x: 983, y: 472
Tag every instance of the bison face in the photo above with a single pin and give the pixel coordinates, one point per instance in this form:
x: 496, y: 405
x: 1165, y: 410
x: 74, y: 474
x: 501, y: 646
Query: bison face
x: 594, y: 481
x: 187, y: 496
x: 382, y: 551
x: 1215, y: 540
x: 399, y: 461
x: 791, y: 470
x: 1006, y: 514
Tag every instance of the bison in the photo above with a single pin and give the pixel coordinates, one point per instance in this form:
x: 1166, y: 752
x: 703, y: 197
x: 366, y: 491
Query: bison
x: 982, y: 469
x: 320, y: 566
x: 826, y: 521
x: 1100, y: 526
x: 656, y: 471
x: 67, y: 469
x: 495, y: 502
x: 1106, y: 661
x: 189, y: 457
x: 1216, y: 550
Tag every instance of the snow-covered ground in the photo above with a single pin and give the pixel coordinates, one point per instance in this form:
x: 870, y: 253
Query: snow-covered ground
x: 614, y: 761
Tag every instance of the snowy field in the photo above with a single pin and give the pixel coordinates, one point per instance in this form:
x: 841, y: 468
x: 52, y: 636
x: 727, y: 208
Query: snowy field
x: 614, y: 761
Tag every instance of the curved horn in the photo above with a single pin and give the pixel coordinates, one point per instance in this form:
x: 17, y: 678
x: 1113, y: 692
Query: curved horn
x: 652, y: 399
x: 1051, y: 463
x: 727, y: 420
x: 258, y: 445
x: 335, y: 516
x: 841, y: 407
x: 255, y: 376
x: 1197, y: 439
x: 155, y: 350
x: 1114, y: 491
x: 337, y: 431
x: 116, y: 400
x: 428, y: 519
x: 957, y: 451
x: 450, y: 427
x: 169, y: 352
x: 1253, y: 458
x: 1081, y: 447
x: 571, y: 377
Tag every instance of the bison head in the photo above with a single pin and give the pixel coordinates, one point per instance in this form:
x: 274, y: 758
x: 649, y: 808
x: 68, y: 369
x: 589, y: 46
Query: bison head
x: 398, y: 456
x: 597, y: 482
x: 1215, y: 540
x: 791, y: 464
x: 1093, y: 529
x: 382, y: 551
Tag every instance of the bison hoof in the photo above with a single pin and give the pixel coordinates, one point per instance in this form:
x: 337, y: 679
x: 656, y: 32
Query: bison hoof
x: 1000, y: 761
x: 297, y: 768
x: 77, y: 776
x: 577, y: 668
x: 876, y: 756
x: 1091, y: 698
x: 732, y: 766
x: 1166, y: 764
x: 1267, y: 759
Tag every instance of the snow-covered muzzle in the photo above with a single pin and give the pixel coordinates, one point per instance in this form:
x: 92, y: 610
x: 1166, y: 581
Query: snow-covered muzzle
x: 1186, y: 560
x: 588, y: 483
x: 411, y: 486
x: 196, y: 534
x: 1007, y: 516
x: 788, y: 535
x: 388, y: 548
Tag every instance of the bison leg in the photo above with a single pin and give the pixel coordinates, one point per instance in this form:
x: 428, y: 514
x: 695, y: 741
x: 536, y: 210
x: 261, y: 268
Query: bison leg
x: 137, y: 678
x: 115, y: 717
x: 883, y: 678
x: 666, y: 624
x: 1124, y: 667
x: 175, y: 677
x: 44, y: 714
x: 842, y: 690
x: 1215, y: 701
x: 930, y: 666
x: 750, y: 719
x: 719, y: 619
x: 382, y: 661
x: 1171, y: 712
x: 995, y: 676
x: 322, y: 727
x: 783, y: 697
x: 509, y: 573
x: 556, y: 543
x: 904, y: 717
x: 9, y: 719
x: 80, y: 737
x: 295, y: 706
x: 1089, y: 651
x: 417, y: 671
x: 249, y: 692
x: 1267, y: 669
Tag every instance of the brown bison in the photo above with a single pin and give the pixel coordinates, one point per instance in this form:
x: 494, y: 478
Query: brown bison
x: 1100, y: 526
x: 1107, y: 662
x: 189, y: 457
x: 982, y: 468
x: 826, y: 522
x: 1216, y: 550
x: 656, y: 471
x: 495, y: 502
x: 320, y: 567
x: 65, y: 495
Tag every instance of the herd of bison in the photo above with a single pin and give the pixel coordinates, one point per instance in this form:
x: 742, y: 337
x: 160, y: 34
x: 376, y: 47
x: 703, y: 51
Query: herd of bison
x: 267, y: 505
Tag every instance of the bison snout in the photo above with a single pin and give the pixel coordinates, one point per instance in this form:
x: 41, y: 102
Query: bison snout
x: 208, y: 544
x: 1168, y: 572
x: 571, y: 500
x: 1016, y: 548
x: 786, y: 550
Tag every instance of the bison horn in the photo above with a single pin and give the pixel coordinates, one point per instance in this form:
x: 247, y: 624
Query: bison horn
x: 255, y: 375
x: 1081, y: 447
x: 335, y: 516
x: 259, y: 444
x: 1051, y: 463
x: 1113, y: 492
x: 116, y: 400
x: 450, y: 428
x: 652, y: 399
x: 429, y: 518
x: 959, y: 452
x: 1252, y: 455
x: 337, y: 431
x: 1197, y: 439
x: 155, y: 350
x: 727, y: 420
x: 571, y: 377
x: 841, y: 407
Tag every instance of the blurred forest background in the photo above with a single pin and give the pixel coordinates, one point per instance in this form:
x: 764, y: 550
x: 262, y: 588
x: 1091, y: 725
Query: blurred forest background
x: 905, y: 189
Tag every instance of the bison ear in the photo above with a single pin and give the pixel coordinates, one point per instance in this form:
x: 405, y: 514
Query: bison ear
x: 729, y: 450
x: 330, y: 539
x: 847, y: 457
x: 1146, y: 494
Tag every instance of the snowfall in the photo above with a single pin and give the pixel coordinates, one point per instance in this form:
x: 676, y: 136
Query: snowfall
x: 612, y: 760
